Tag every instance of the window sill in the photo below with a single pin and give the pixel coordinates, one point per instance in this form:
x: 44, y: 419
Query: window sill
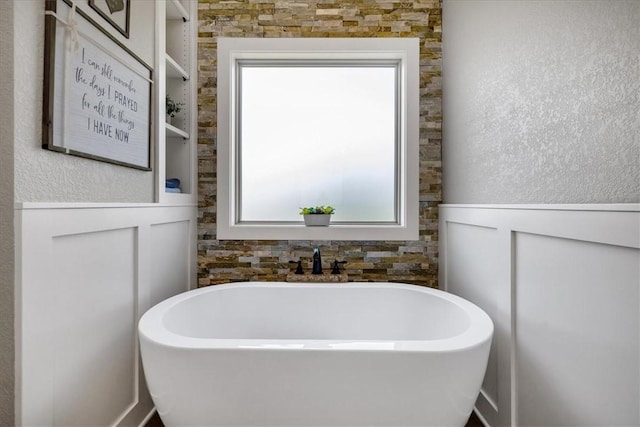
x: 332, y: 232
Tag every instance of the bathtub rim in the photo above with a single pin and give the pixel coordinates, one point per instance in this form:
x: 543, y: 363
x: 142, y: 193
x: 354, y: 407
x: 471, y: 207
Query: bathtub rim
x: 480, y: 330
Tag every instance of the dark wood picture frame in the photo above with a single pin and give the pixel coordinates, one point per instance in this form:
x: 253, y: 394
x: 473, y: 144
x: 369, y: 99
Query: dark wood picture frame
x: 112, y: 7
x: 52, y: 97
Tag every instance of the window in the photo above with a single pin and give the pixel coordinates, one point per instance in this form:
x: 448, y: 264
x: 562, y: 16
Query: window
x: 305, y: 122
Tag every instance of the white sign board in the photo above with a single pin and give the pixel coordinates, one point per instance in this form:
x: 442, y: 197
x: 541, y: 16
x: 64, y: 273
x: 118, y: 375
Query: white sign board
x: 101, y: 98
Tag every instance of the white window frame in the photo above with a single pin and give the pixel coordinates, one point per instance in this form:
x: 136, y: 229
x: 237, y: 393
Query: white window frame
x: 231, y: 50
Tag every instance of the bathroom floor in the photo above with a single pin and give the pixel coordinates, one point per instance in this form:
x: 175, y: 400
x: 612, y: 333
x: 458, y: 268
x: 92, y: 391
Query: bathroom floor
x: 474, y: 421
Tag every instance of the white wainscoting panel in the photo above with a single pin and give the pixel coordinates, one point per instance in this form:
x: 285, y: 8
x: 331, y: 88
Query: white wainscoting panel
x: 86, y: 273
x: 169, y: 244
x: 576, y: 332
x: 476, y: 258
x: 94, y: 312
x: 562, y: 285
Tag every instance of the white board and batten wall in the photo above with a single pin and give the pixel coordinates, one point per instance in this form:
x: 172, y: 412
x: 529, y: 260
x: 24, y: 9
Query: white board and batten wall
x: 561, y: 283
x: 93, y: 250
x: 86, y: 273
x: 546, y: 117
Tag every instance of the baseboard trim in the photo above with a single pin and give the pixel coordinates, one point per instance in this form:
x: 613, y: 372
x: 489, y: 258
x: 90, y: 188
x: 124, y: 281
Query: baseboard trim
x: 151, y: 413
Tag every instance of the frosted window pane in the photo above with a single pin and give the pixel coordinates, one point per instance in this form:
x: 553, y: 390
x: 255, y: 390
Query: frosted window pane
x: 318, y: 136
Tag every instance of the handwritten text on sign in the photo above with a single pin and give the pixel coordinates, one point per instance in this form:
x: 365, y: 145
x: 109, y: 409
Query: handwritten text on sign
x: 108, y: 104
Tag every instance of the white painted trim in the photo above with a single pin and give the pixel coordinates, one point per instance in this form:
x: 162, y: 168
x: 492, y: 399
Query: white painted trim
x: 405, y: 49
x: 146, y: 419
x: 607, y: 207
x: 594, y: 225
x: 188, y: 169
x: 480, y: 417
x: 37, y: 226
x: 606, y: 224
x: 72, y: 205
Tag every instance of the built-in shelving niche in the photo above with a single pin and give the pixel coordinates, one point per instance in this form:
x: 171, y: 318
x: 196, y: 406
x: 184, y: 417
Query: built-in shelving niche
x: 178, y: 50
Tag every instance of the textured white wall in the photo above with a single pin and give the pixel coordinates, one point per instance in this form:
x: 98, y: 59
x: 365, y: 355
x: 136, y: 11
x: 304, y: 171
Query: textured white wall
x: 45, y: 176
x: 6, y: 219
x: 541, y: 101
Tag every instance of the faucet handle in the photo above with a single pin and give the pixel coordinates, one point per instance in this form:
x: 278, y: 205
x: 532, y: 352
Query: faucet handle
x: 298, y: 268
x: 336, y: 266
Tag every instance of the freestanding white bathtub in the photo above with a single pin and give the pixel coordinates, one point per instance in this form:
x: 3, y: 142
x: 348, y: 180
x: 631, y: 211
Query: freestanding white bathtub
x: 294, y: 354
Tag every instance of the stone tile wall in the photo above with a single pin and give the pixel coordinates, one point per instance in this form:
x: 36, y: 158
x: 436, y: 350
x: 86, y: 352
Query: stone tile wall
x: 221, y: 261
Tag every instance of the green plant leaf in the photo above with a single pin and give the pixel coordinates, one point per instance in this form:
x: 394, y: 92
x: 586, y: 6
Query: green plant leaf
x: 317, y: 210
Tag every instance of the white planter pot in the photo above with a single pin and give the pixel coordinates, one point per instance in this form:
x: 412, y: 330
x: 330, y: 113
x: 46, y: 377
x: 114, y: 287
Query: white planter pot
x: 317, y: 220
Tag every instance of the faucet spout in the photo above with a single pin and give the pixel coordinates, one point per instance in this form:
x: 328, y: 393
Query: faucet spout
x: 317, y: 262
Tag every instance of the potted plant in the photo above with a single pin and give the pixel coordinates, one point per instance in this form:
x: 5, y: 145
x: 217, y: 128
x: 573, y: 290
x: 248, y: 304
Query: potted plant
x: 173, y: 108
x: 317, y: 215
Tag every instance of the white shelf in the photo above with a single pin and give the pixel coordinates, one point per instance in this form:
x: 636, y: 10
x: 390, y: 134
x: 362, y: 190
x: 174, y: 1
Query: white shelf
x: 176, y: 54
x: 173, y: 131
x: 175, y: 10
x: 174, y: 70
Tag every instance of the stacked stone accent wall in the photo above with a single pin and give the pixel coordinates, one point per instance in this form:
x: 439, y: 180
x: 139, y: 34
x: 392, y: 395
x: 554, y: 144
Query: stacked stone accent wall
x: 222, y: 261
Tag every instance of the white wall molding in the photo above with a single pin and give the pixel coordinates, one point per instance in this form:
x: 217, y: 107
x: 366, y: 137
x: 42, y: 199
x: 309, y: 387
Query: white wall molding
x: 561, y: 282
x: 85, y: 274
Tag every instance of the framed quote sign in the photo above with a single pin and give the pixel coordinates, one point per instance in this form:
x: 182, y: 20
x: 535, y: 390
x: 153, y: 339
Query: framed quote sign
x: 97, y: 93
